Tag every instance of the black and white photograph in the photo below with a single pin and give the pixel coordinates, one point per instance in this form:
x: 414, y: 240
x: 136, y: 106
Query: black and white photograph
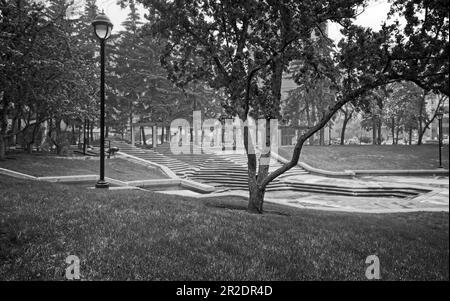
x: 224, y: 147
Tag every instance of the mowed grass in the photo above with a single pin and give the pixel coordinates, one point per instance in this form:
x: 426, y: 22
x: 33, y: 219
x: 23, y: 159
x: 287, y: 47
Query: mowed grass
x: 370, y: 157
x: 42, y: 164
x: 139, y: 235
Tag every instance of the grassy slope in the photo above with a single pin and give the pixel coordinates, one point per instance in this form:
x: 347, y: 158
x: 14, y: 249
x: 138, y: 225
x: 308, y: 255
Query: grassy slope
x: 339, y: 158
x: 143, y: 235
x: 46, y: 165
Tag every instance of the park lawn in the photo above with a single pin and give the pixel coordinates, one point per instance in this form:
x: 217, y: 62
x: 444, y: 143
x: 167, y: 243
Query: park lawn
x: 41, y: 165
x: 142, y: 235
x: 370, y: 157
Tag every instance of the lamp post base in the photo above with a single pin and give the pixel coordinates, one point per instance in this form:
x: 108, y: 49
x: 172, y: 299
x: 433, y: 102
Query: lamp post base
x: 102, y: 184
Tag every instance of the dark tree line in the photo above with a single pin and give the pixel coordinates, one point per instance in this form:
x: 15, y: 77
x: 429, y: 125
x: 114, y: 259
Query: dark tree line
x: 49, y: 76
x: 46, y: 72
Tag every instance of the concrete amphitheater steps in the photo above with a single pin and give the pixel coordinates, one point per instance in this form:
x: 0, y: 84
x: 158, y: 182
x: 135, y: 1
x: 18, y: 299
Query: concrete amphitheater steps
x: 237, y: 173
x: 229, y: 172
x: 241, y: 183
x: 241, y: 159
x: 354, y: 191
x: 178, y: 167
x: 237, y: 158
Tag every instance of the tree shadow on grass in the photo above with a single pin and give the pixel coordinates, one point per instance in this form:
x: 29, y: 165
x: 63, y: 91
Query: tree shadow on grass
x: 9, y: 158
x: 240, y: 204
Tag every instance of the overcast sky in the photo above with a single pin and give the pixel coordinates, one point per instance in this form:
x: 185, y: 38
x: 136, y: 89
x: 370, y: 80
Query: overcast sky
x: 372, y: 17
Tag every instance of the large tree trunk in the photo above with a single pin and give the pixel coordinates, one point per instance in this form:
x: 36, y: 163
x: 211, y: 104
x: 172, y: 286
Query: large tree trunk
x: 423, y: 127
x: 19, y: 127
x: 422, y: 130
x: 322, y: 136
x: 31, y: 142
x: 313, y: 139
x: 374, y: 133
x: 3, y: 127
x: 14, y: 129
x: 420, y: 134
x: 256, y: 183
x: 308, y: 120
x: 2, y: 148
x: 396, y: 136
x: 410, y: 136
x: 343, y: 135
x: 255, y: 186
x: 223, y: 135
x: 88, y: 125
x: 154, y: 132
x: 79, y: 134
x: 131, y: 121
x: 393, y: 129
x: 61, y: 139
x: 85, y: 140
x: 256, y: 197
x: 144, y: 140
x: 59, y: 143
x: 379, y: 136
x: 344, y: 127
x: 74, y: 135
x: 329, y: 134
x: 91, y: 129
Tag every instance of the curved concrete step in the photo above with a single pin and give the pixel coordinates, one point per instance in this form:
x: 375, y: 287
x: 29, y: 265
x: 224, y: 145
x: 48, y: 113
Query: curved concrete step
x: 230, y: 172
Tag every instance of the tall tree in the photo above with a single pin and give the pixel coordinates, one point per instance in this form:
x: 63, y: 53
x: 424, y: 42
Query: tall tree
x: 427, y: 112
x: 139, y: 82
x: 245, y: 46
x: 47, y: 74
x: 347, y: 113
x: 21, y: 25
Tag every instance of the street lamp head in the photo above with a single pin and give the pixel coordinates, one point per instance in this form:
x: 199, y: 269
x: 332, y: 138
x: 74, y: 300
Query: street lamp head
x: 440, y: 113
x: 102, y: 26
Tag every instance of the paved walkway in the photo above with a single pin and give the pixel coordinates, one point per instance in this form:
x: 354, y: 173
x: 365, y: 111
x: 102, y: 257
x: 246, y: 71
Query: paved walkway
x: 441, y: 182
x: 377, y: 181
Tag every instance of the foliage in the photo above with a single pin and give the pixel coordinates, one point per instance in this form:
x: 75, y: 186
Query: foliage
x: 402, y: 106
x: 140, y: 88
x: 234, y: 52
x: 46, y: 74
x: 366, y: 140
x: 243, y: 47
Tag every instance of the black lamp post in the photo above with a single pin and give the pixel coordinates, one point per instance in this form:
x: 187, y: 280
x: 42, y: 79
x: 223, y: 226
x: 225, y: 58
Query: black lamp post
x: 439, y: 115
x: 102, y: 27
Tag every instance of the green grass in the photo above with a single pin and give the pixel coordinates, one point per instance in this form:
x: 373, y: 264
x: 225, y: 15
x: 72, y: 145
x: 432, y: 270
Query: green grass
x: 148, y: 236
x: 369, y: 157
x: 41, y: 164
